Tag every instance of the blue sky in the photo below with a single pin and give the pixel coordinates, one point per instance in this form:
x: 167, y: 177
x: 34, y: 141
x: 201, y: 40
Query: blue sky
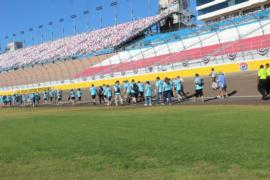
x: 20, y: 15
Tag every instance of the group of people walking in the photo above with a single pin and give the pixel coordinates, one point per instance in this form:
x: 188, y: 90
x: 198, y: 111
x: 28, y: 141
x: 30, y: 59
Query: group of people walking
x: 32, y: 99
x: 163, y: 91
x: 134, y: 92
x: 219, y: 82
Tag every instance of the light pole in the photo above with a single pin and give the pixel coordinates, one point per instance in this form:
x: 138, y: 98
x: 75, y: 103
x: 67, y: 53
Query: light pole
x: 61, y: 20
x: 114, y: 5
x: 149, y: 7
x: 86, y: 14
x: 73, y: 17
x: 51, y: 24
x: 31, y: 31
x: 14, y: 36
x: 0, y: 47
x: 131, y: 10
x: 99, y: 9
x: 41, y: 33
x: 22, y: 33
x: 6, y: 38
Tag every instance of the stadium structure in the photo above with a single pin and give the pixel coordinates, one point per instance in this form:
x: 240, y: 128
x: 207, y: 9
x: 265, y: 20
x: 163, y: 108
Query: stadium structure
x: 235, y: 38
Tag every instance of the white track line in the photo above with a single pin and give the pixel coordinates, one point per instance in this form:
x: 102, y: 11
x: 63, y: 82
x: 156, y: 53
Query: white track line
x: 231, y: 97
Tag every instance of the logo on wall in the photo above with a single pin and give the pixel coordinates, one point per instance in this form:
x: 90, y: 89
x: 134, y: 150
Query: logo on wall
x: 243, y: 66
x: 232, y: 56
x: 135, y: 71
x: 185, y: 63
x: 150, y: 69
x: 263, y: 51
x: 206, y: 60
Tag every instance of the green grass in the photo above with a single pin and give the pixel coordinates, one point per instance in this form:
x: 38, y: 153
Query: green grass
x: 191, y: 142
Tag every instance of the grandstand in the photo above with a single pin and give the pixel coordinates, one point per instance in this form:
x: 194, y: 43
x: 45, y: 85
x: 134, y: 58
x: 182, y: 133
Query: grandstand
x: 129, y: 49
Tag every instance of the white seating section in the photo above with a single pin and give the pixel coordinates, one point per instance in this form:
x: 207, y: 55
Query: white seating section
x: 84, y: 43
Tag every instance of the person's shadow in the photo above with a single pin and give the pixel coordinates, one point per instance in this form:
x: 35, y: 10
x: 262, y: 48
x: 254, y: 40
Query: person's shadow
x: 214, y: 98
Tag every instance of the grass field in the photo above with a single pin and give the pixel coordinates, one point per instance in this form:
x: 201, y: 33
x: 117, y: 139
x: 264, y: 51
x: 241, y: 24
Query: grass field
x: 191, y: 142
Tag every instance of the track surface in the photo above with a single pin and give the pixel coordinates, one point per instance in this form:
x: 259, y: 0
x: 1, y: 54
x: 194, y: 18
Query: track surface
x: 242, y: 87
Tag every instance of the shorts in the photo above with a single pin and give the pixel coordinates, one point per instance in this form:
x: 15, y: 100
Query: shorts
x: 133, y: 94
x: 171, y: 91
x: 141, y: 94
x: 80, y: 98
x: 59, y: 99
x: 223, y: 87
x: 73, y: 98
x: 93, y: 96
x: 199, y: 93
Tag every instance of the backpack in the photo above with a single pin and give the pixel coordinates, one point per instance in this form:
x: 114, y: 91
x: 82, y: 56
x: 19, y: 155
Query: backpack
x: 201, y: 83
x: 100, y: 91
x: 135, y: 87
x: 117, y: 89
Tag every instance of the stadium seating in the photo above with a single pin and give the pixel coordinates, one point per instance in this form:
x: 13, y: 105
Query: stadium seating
x: 200, y: 30
x: 229, y: 37
x: 84, y: 43
x: 239, y: 38
x: 247, y: 44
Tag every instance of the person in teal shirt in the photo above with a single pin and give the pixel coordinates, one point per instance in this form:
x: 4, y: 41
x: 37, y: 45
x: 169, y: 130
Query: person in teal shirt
x: 108, y: 94
x: 72, y: 96
x: 59, y: 95
x: 45, y: 97
x: 148, y: 94
x: 159, y: 87
x: 126, y: 85
x: 117, y: 93
x: 24, y: 100
x: 8, y: 100
x: 141, y: 91
x: 167, y: 91
x: 13, y: 99
x: 36, y: 99
x: 178, y: 88
x: 132, y: 91
x: 1, y: 101
x: 198, y: 87
x: 32, y: 99
x: 51, y: 96
x: 79, y: 95
x: 93, y: 93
